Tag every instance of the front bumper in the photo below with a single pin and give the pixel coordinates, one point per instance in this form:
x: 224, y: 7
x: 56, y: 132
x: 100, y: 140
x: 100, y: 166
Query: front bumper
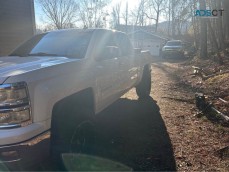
x: 26, y: 154
x: 172, y: 52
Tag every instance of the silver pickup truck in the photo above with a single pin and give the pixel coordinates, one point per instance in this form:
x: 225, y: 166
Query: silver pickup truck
x: 173, y: 48
x: 53, y: 85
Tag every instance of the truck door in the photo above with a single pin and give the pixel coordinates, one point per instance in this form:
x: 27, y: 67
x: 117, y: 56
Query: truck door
x: 106, y: 70
x: 128, y: 70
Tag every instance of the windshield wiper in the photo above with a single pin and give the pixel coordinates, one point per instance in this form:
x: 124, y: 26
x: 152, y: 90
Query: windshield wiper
x: 42, y: 54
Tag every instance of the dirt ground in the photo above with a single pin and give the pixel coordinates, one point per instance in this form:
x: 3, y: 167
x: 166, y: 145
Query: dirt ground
x: 161, y: 133
x: 197, y: 142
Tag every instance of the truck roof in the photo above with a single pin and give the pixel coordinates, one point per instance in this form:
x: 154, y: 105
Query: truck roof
x: 84, y: 30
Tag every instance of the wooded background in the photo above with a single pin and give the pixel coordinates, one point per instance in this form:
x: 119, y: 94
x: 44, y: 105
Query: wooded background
x: 207, y: 34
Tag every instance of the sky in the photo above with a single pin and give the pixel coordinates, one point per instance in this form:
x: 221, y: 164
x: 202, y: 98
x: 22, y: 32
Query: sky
x: 131, y: 4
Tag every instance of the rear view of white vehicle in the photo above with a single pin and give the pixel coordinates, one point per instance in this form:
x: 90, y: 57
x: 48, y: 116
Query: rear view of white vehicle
x: 53, y: 85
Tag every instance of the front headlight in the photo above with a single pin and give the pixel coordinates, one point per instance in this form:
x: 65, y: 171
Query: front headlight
x: 14, y: 105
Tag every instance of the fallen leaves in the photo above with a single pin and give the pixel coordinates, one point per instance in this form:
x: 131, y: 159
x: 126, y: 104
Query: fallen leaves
x: 195, y: 140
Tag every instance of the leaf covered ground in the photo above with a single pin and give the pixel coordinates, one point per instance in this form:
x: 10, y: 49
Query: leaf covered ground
x: 198, y: 143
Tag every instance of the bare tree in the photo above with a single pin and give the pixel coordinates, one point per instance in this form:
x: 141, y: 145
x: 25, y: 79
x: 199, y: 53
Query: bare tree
x: 180, y: 13
x: 195, y: 23
x: 92, y: 12
x: 116, y: 12
x: 220, y: 27
x: 59, y: 13
x: 226, y: 19
x: 125, y: 15
x: 158, y: 7
x: 138, y: 14
x: 203, y: 32
x: 173, y: 5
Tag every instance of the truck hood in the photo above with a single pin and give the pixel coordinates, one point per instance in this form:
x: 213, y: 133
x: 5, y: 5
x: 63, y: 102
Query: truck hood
x: 14, y: 65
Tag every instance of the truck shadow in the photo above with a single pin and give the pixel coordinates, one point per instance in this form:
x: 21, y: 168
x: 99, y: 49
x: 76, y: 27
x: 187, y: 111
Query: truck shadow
x: 133, y: 132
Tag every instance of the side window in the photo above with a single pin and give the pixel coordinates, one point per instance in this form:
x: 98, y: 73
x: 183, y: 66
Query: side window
x: 124, y: 44
x: 106, y: 47
x: 105, y: 39
x: 110, y: 41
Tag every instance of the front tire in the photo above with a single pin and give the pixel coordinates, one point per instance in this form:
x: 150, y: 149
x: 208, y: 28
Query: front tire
x: 83, y: 138
x: 72, y: 130
x: 144, y: 87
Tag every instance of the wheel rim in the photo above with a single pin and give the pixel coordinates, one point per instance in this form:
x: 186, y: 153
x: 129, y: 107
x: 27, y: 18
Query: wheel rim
x: 82, y: 138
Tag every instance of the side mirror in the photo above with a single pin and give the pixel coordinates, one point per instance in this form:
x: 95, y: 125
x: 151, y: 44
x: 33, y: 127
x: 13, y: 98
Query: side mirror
x: 108, y: 52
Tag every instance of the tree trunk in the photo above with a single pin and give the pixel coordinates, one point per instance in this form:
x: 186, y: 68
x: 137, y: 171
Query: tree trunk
x: 214, y: 42
x: 212, y: 33
x: 169, y: 24
x: 203, y: 32
x: 126, y: 19
x: 157, y: 19
x: 173, y: 19
x: 226, y: 19
x: 194, y: 25
x: 220, y: 28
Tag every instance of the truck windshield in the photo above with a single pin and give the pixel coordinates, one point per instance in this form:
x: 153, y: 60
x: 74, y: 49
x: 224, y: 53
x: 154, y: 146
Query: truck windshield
x: 67, y: 44
x: 173, y: 43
